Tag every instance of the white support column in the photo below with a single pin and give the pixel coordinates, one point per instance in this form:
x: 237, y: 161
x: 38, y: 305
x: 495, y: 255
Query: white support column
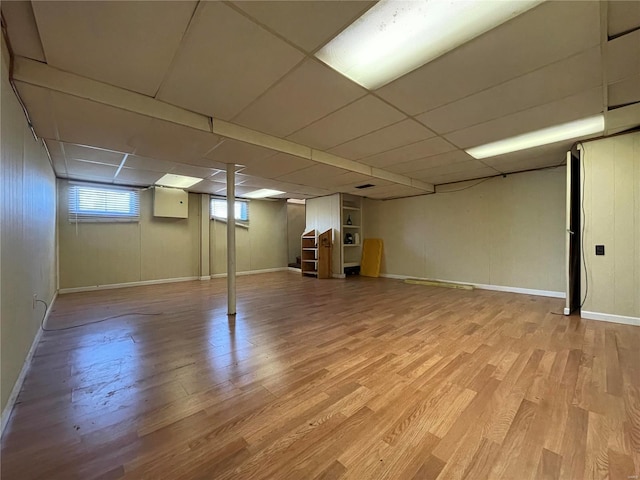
x: 231, y: 239
x: 205, y: 245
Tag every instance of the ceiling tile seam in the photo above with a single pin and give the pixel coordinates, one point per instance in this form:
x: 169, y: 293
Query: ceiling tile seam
x: 271, y: 87
x: 104, y: 94
x: 92, y: 162
x: 431, y: 156
x: 537, y: 106
x: 266, y: 28
x: 177, y: 49
x: 124, y: 159
x: 625, y: 79
x: 559, y: 99
x: 611, y: 108
x: 604, y: 50
x: 368, y: 157
x: 281, y: 37
x: 327, y: 115
x: 382, y: 128
x: 621, y: 34
x: 33, y: 13
x: 64, y: 156
x: 35, y: 18
x: 340, y: 30
x: 528, y: 72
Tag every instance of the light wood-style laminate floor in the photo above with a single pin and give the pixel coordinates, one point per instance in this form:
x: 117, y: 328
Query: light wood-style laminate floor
x: 358, y: 378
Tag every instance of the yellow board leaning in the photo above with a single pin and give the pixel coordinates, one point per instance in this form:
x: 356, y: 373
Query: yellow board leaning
x: 371, y: 257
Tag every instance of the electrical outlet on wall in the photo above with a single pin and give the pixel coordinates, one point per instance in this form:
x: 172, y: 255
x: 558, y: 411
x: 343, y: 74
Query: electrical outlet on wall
x: 35, y: 299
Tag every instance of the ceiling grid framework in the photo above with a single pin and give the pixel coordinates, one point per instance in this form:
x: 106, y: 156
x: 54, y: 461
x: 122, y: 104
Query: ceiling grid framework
x: 289, y: 121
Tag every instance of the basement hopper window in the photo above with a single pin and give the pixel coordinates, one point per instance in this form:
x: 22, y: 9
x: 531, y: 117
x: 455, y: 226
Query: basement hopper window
x: 219, y: 210
x: 98, y: 203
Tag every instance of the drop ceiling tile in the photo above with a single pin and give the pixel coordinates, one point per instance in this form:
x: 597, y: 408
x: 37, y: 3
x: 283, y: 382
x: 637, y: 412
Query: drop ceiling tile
x: 205, y: 162
x: 351, y: 178
x: 571, y: 108
x: 240, y: 191
x: 464, y: 166
x: 395, y: 191
x: 129, y: 176
x: 276, y: 165
x: 622, y: 16
x: 376, y: 182
x: 234, y: 151
x: 310, y: 191
x: 256, y: 183
x: 545, y: 156
x: 22, y: 30
x: 469, y: 174
x: 221, y: 177
x: 543, y: 35
x: 127, y: 44
x: 624, y: 92
x: 402, y: 133
x: 191, y: 171
x: 225, y: 62
x: 358, y: 118
x: 77, y: 168
x: 623, y: 57
x: 252, y: 181
x: 422, y: 149
x: 315, y: 175
x: 206, y: 186
x: 307, y: 24
x: 85, y: 122
x: 150, y: 164
x: 40, y: 107
x: 308, y: 93
x: 173, y: 142
x: 553, y: 82
x: 454, y: 156
x: 90, y: 154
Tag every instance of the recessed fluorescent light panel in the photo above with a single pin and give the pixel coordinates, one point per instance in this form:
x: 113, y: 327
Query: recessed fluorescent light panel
x: 557, y: 133
x: 395, y: 37
x: 263, y: 193
x: 177, y: 181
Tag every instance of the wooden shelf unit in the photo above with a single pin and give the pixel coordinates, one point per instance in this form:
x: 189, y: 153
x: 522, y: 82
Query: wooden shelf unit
x: 351, y: 221
x: 309, y: 259
x: 316, y: 254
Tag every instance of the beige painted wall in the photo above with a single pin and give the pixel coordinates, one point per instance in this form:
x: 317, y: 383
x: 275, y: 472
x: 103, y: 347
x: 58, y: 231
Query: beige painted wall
x: 27, y: 237
x: 323, y: 213
x: 108, y: 253
x: 295, y: 229
x: 261, y: 246
x: 504, y: 231
x: 612, y: 218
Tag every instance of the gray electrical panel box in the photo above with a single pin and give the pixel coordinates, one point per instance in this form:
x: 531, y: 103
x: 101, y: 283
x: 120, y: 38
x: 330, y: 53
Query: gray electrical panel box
x: 170, y: 202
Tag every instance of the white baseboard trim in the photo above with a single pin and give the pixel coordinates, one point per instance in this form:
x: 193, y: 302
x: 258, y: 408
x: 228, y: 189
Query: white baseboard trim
x: 338, y: 275
x: 566, y: 311
x: 127, y: 284
x: 294, y: 269
x: 609, y: 317
x: 205, y: 277
x: 253, y: 272
x: 482, y: 286
x: 11, y: 401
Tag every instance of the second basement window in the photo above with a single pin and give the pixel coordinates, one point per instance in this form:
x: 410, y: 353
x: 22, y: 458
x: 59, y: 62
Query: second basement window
x: 219, y: 210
